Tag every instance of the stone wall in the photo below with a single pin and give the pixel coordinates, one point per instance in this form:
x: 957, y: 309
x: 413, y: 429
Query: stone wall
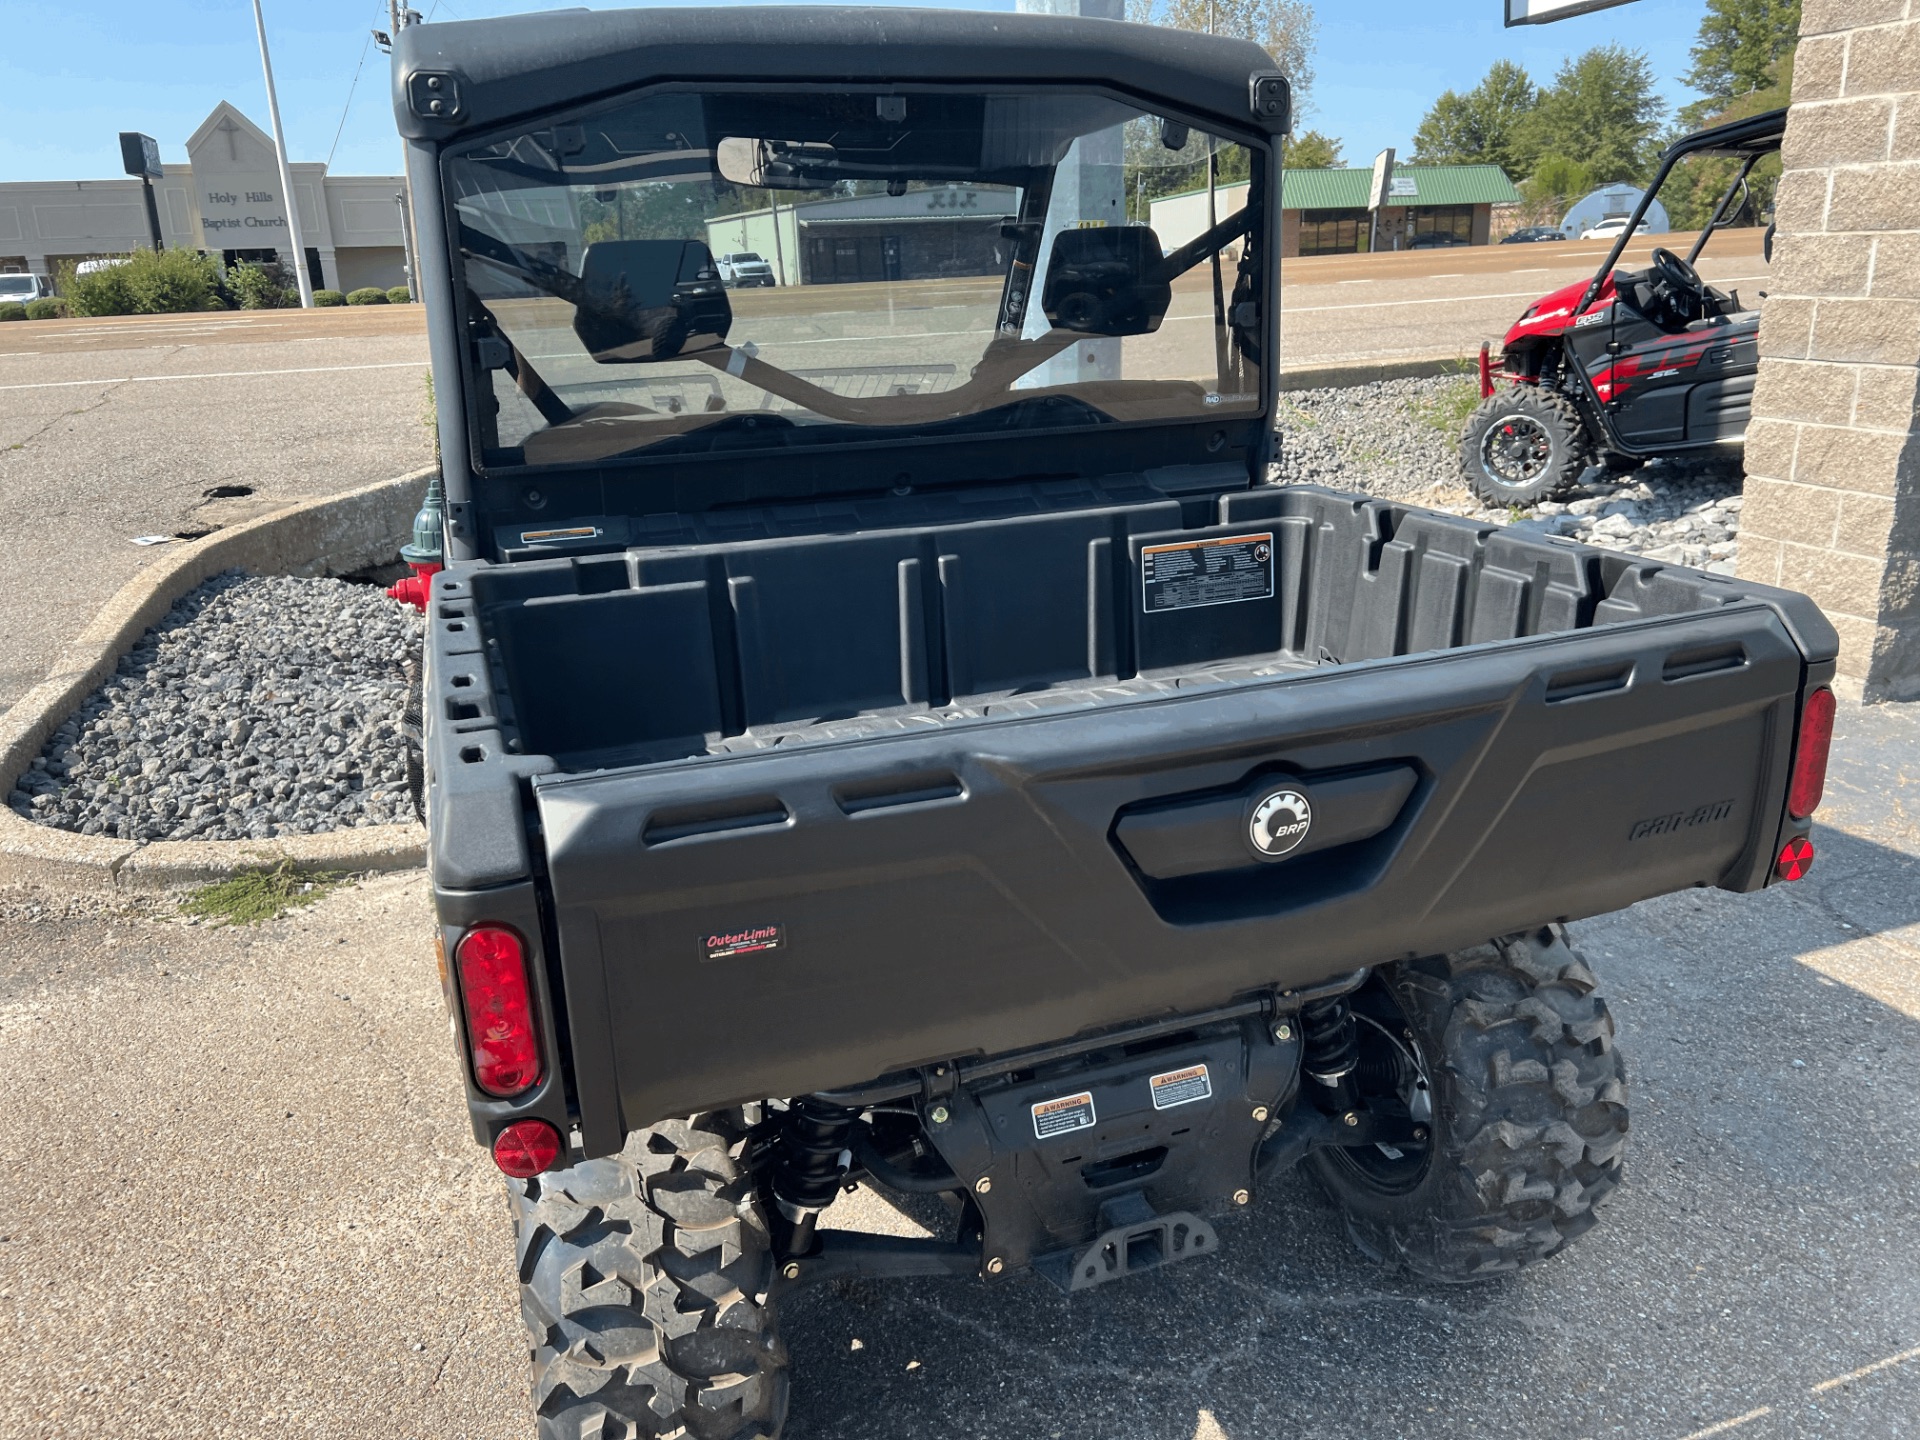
x: 1833, y: 455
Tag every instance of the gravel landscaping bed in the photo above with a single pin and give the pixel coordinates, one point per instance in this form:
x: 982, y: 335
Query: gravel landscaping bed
x: 258, y: 707
x: 1399, y: 439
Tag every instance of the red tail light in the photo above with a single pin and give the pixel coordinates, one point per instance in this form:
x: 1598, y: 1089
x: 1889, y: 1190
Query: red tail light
x: 526, y: 1147
x: 499, y: 1009
x: 1810, y: 755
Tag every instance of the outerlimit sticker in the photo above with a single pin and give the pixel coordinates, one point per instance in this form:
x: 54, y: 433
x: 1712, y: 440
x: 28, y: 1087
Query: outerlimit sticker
x: 1063, y: 1116
x: 1180, y: 1087
x: 1206, y: 572
x: 724, y: 944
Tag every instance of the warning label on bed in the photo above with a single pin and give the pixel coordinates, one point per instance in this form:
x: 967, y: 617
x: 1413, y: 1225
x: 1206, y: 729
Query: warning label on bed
x: 1180, y: 1087
x: 1206, y: 572
x: 724, y: 944
x: 1062, y: 1116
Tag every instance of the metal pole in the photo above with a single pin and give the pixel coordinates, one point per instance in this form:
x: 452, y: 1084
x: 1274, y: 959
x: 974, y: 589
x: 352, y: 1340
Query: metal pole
x: 406, y: 240
x: 286, y: 173
x: 153, y: 214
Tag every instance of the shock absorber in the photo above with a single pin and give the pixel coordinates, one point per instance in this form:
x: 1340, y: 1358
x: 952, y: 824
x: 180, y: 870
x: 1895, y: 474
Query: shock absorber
x: 1330, y: 1045
x: 813, y: 1158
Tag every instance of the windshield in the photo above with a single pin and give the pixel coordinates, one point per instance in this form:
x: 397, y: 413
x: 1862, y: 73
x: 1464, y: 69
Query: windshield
x: 19, y: 285
x: 961, y: 261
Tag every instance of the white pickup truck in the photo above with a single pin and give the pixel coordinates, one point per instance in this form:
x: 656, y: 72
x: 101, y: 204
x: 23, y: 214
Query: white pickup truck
x: 744, y: 268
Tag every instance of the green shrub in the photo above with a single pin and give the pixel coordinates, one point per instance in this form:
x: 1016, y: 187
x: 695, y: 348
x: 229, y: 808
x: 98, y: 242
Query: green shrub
x: 262, y: 287
x: 328, y: 297
x: 165, y: 281
x: 47, y: 308
x: 399, y: 295
x: 12, y: 310
x: 367, y: 295
x: 147, y: 282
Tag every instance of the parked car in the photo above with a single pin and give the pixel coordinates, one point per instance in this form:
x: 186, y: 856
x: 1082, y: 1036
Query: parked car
x: 1436, y: 240
x: 17, y: 288
x: 1532, y: 235
x: 744, y: 270
x: 1609, y: 229
x: 996, y: 792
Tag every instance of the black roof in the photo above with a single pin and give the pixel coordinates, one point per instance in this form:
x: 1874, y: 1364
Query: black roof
x: 1755, y: 135
x: 519, y: 65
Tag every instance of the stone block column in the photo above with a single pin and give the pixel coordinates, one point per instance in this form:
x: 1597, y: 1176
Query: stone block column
x: 1833, y: 452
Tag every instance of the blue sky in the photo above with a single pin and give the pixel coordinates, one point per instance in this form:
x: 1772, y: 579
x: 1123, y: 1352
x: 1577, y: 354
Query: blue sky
x: 72, y: 79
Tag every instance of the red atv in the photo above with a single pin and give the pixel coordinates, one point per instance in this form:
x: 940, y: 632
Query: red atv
x: 1629, y: 366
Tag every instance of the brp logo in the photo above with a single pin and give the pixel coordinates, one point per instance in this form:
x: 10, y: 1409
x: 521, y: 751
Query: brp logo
x: 1279, y: 823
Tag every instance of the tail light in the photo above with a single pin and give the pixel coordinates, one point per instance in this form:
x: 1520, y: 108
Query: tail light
x: 1809, y: 779
x: 496, y: 999
x: 526, y: 1148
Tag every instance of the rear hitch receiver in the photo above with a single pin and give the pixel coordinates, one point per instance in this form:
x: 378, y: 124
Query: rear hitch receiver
x: 1134, y: 1240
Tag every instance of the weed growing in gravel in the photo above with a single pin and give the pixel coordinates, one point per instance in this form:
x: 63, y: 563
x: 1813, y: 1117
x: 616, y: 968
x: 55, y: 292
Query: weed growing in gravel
x: 251, y: 896
x: 1447, y: 409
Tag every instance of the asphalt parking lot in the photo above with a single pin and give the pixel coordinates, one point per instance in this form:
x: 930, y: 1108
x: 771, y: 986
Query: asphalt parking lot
x: 241, y: 1197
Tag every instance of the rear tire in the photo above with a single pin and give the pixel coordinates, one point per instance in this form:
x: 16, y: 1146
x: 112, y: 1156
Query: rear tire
x: 643, y: 1285
x: 1523, y: 445
x: 1529, y: 1114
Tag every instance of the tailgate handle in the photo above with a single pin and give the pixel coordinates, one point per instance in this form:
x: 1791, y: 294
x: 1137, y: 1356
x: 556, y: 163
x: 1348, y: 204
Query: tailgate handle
x: 1704, y: 660
x: 1588, y: 680
x: 924, y: 787
x: 686, y: 822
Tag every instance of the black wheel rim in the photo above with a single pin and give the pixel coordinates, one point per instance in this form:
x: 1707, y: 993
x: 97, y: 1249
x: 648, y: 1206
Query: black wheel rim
x: 1516, y: 451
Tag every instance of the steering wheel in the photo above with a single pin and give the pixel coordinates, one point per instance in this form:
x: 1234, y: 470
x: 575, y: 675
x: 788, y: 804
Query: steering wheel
x: 1677, y: 272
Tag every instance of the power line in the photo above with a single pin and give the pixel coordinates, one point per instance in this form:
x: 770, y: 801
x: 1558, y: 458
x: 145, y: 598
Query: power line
x: 341, y: 128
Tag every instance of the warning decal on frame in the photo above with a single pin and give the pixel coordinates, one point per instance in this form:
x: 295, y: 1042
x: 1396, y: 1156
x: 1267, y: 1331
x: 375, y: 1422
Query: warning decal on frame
x: 1206, y: 572
x: 1180, y: 1087
x: 1063, y: 1116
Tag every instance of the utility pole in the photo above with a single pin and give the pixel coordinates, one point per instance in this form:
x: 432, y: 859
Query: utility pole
x: 286, y: 172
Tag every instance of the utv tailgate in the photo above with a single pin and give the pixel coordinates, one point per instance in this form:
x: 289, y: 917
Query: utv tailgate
x: 786, y: 921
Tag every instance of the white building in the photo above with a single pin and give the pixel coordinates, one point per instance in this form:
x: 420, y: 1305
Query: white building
x: 225, y: 201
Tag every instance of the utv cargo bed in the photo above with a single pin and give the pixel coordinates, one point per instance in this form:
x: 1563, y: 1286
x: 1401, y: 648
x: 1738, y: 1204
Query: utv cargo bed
x: 1067, y: 713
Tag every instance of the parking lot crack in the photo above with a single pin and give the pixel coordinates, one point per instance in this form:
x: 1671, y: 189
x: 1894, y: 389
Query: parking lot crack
x: 113, y: 387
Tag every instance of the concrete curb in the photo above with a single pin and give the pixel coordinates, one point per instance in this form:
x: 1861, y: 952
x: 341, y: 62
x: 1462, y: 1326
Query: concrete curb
x: 334, y: 536
x: 1365, y: 372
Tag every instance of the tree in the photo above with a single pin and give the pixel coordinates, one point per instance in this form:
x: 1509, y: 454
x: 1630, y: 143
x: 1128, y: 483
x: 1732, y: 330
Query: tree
x: 1481, y: 127
x: 1285, y: 29
x: 1310, y: 150
x: 1601, y: 107
x: 1741, y: 42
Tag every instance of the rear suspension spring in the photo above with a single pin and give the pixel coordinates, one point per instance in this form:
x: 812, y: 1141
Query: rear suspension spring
x: 812, y: 1161
x: 1330, y: 1043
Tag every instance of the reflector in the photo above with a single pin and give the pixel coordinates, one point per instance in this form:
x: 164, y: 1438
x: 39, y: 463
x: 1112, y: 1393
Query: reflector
x: 499, y: 1011
x: 1796, y: 859
x: 525, y: 1148
x: 1809, y: 781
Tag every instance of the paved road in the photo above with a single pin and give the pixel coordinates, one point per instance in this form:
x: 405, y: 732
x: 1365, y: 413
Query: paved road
x: 110, y: 429
x: 113, y: 429
x: 240, y: 1198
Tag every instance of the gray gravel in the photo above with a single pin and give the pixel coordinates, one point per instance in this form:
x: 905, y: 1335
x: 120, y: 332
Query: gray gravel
x: 258, y: 707
x: 1398, y: 439
x: 1393, y: 438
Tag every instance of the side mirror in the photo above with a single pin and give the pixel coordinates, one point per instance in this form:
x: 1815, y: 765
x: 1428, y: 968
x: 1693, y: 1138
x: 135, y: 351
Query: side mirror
x: 1106, y: 281
x: 648, y: 300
